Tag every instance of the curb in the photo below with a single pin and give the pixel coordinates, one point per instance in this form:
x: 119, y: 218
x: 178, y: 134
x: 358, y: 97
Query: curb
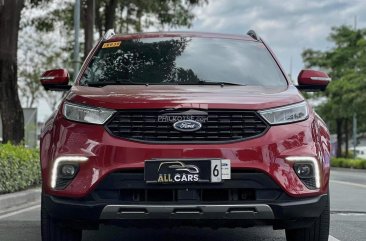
x: 348, y: 169
x: 10, y: 201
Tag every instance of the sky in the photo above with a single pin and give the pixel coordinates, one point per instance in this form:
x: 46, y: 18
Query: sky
x: 288, y: 26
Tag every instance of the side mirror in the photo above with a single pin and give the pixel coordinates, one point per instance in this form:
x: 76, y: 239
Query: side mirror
x: 56, y: 79
x: 312, y: 80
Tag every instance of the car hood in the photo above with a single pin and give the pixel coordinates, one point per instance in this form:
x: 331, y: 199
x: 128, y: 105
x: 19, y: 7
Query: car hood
x: 184, y: 96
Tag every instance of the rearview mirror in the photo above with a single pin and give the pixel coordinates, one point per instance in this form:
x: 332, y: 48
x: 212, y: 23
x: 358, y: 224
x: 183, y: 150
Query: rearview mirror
x: 312, y: 80
x: 56, y: 79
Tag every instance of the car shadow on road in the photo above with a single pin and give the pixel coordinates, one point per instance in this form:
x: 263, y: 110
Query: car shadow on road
x: 107, y: 233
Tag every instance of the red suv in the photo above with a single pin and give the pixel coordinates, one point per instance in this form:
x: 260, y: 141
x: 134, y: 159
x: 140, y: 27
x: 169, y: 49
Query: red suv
x: 175, y: 128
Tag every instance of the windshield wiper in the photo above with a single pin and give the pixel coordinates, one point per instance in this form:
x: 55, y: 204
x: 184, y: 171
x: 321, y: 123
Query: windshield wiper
x: 202, y: 82
x: 117, y: 82
x: 99, y: 84
x: 128, y: 82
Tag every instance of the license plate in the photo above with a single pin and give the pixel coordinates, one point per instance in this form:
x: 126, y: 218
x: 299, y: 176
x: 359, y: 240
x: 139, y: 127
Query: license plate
x: 187, y: 171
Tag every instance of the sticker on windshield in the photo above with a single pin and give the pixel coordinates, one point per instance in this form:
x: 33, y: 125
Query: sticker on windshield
x: 111, y: 45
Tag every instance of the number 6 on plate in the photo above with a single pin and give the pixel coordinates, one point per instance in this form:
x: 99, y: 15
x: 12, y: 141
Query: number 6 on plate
x: 216, y: 171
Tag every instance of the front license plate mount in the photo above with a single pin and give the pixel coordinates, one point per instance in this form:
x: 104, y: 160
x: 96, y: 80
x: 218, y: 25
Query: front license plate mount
x: 176, y: 171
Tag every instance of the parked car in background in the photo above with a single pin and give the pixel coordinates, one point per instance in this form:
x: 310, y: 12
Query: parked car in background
x: 360, y: 151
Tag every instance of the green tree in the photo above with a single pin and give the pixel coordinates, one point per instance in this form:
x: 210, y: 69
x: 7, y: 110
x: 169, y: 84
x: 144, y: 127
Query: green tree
x: 33, y: 60
x: 10, y: 107
x: 136, y: 15
x: 123, y: 15
x: 345, y: 63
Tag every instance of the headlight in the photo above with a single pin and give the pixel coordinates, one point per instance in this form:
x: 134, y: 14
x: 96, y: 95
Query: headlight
x: 286, y: 114
x: 86, y: 114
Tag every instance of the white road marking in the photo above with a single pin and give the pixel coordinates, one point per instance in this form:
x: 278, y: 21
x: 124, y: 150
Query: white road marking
x: 352, y: 214
x: 349, y: 183
x: 19, y: 211
x: 331, y: 238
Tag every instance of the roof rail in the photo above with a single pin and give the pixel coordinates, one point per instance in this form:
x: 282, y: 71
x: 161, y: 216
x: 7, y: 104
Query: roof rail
x: 253, y: 34
x: 109, y: 34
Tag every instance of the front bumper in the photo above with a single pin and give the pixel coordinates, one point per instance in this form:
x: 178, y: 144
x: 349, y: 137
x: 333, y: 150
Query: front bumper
x: 283, y: 213
x: 107, y: 154
x: 216, y: 211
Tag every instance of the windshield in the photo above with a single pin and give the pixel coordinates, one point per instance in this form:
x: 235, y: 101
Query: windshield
x: 183, y: 61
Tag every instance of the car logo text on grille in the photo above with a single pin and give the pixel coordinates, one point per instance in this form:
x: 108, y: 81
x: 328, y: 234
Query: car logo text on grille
x: 192, y: 115
x: 187, y: 125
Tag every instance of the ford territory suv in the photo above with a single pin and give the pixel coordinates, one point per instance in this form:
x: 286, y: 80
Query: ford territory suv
x: 184, y: 128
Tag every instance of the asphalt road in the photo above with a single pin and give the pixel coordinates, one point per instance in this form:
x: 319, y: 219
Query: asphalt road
x: 348, y: 221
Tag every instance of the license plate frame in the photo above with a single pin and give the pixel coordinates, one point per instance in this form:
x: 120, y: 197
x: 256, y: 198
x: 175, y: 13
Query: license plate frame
x: 187, y: 171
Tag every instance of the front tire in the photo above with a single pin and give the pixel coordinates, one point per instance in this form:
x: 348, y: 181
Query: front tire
x: 319, y: 231
x: 53, y: 230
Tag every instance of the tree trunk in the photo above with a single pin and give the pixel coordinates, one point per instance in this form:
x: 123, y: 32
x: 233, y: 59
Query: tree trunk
x: 10, y: 107
x: 89, y: 14
x: 110, y: 14
x: 139, y: 22
x: 339, y: 137
x: 346, y: 131
x: 98, y: 19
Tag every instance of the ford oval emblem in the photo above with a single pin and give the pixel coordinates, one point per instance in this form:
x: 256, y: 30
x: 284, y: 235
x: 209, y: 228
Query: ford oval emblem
x: 187, y: 125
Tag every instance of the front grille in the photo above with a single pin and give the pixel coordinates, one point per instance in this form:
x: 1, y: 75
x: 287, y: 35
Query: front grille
x: 217, y: 126
x: 178, y: 195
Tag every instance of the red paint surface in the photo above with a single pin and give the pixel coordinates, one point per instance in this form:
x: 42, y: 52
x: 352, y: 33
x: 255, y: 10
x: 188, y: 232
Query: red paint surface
x: 108, y: 154
x: 305, y: 75
x: 59, y: 76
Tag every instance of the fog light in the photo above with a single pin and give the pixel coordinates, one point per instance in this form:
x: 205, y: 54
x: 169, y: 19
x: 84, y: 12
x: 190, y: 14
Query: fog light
x: 301, y: 164
x: 68, y: 170
x: 304, y: 170
x: 62, y: 161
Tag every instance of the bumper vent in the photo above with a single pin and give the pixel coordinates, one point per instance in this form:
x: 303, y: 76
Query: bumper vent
x: 156, y: 126
x: 128, y: 188
x: 309, y: 182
